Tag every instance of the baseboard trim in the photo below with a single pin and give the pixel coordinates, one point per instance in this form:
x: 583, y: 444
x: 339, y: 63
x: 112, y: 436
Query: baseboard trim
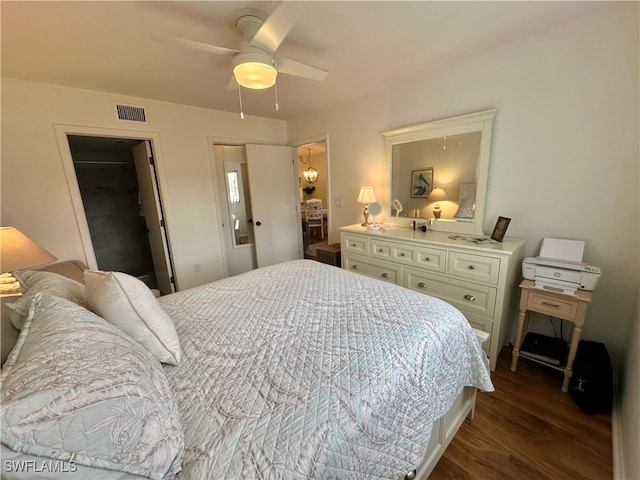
x: 616, y: 439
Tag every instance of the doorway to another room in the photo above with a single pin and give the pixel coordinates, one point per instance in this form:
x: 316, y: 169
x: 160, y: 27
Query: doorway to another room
x: 118, y: 188
x: 314, y: 196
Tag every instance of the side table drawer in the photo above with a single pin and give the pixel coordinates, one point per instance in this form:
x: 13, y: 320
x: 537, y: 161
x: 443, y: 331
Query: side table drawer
x: 565, y: 308
x: 474, y: 267
x: 376, y: 269
x: 467, y: 297
x: 355, y: 244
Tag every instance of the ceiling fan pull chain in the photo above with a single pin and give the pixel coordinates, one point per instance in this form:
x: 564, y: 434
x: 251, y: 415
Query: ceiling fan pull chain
x: 275, y: 86
x: 240, y: 97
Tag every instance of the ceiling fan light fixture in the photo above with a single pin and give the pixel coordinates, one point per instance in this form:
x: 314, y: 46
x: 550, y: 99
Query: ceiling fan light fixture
x: 254, y: 71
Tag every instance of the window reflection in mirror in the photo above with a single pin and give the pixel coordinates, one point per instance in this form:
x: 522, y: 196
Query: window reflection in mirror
x: 239, y: 202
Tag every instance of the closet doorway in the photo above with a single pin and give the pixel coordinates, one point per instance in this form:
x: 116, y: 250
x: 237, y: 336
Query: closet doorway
x: 119, y: 192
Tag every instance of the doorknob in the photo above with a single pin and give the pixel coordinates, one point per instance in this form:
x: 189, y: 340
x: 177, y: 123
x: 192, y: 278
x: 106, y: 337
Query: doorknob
x: 258, y: 224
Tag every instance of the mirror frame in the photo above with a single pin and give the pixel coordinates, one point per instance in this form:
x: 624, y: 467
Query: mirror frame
x: 472, y: 122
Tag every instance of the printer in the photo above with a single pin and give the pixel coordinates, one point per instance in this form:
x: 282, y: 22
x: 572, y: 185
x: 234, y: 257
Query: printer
x: 559, y: 267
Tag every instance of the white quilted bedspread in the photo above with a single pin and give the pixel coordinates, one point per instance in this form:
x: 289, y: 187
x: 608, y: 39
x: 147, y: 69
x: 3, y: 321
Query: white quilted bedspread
x: 302, y: 370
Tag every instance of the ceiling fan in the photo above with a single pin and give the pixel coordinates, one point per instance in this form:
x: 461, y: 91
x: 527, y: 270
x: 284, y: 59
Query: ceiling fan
x: 255, y: 64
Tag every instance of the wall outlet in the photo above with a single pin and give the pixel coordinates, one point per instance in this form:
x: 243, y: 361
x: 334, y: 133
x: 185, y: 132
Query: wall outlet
x: 197, y: 268
x: 339, y: 202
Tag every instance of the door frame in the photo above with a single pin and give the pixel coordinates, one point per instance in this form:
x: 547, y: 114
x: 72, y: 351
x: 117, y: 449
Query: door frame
x: 61, y: 131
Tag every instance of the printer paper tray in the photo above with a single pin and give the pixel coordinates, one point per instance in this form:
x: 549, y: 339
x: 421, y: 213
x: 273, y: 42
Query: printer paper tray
x: 566, y: 288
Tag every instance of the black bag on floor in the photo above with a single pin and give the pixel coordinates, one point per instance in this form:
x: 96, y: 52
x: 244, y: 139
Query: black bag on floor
x: 591, y: 385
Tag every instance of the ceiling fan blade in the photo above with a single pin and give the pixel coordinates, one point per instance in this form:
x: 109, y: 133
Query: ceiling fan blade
x: 275, y: 28
x: 232, y: 84
x: 192, y: 44
x: 298, y: 69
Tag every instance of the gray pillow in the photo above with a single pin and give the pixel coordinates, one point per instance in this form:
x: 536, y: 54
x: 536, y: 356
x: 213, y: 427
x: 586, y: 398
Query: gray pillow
x: 76, y: 388
x: 33, y: 282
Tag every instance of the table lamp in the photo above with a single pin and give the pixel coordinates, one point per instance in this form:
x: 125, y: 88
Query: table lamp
x: 437, y: 195
x: 17, y: 252
x: 366, y: 196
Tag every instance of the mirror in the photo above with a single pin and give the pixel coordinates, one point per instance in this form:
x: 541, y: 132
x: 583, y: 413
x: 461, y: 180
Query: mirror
x: 237, y: 180
x: 397, y: 206
x: 375, y: 209
x: 439, y: 171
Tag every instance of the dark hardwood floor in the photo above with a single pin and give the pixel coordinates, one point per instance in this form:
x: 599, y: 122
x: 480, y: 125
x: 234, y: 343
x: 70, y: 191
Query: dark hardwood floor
x: 528, y: 429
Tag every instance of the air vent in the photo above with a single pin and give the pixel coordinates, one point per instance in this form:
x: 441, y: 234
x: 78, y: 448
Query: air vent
x: 131, y: 113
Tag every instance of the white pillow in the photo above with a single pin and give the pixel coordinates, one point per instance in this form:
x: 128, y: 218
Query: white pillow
x: 128, y: 304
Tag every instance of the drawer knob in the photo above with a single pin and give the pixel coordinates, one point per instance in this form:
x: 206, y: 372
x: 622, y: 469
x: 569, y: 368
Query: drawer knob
x: 422, y: 285
x: 353, y: 244
x: 355, y: 267
x: 402, y: 254
x: 385, y: 275
x: 427, y: 259
x: 471, y: 267
x: 380, y: 250
x: 471, y: 298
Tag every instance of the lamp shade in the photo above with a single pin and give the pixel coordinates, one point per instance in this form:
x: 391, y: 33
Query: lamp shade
x: 17, y: 251
x: 366, y: 195
x: 437, y: 194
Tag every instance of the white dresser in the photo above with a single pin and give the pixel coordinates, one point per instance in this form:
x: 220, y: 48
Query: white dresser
x: 479, y: 280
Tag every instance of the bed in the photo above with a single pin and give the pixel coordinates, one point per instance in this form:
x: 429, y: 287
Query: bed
x: 299, y: 370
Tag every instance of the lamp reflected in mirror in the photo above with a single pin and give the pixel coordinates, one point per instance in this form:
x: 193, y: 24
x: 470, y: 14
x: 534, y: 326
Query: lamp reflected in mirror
x: 437, y: 195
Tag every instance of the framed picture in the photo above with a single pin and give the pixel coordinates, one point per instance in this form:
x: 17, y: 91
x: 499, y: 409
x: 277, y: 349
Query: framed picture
x: 500, y: 229
x: 421, y: 182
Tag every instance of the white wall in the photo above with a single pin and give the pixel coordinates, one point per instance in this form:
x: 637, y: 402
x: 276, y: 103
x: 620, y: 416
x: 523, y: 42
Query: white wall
x: 35, y: 196
x: 629, y: 414
x: 564, y: 152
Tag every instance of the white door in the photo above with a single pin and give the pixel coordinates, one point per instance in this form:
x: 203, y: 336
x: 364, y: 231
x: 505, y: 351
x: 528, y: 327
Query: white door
x: 273, y: 186
x: 152, y: 209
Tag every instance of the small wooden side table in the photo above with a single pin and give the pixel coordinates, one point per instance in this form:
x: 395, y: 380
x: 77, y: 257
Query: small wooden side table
x: 572, y: 308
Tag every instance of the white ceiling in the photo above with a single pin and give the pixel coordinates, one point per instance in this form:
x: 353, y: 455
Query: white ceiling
x: 366, y: 46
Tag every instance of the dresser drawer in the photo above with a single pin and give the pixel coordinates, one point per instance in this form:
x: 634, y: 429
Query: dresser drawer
x: 474, y: 267
x: 467, y: 297
x: 355, y: 244
x: 552, y: 305
x: 386, y: 250
x: 372, y: 268
x: 429, y: 258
